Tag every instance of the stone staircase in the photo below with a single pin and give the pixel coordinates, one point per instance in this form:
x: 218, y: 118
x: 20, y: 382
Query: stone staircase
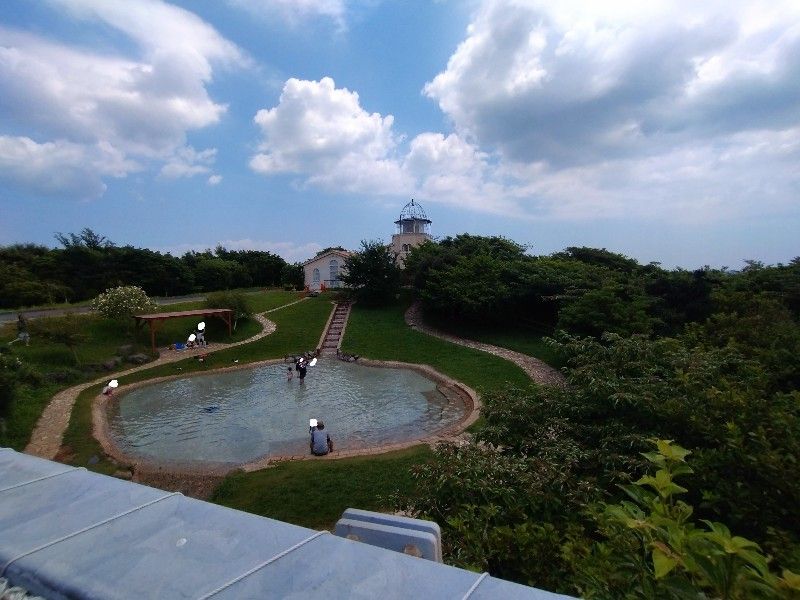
x: 335, y: 332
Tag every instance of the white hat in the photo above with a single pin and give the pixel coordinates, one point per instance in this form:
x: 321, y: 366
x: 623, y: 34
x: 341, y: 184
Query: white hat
x: 192, y: 337
x: 113, y: 383
x: 312, y: 422
x: 201, y: 325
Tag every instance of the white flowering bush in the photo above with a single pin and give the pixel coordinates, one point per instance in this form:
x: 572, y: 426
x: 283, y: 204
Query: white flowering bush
x: 123, y: 302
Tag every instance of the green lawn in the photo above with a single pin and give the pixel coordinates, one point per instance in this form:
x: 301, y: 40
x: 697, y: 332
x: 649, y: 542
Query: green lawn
x: 315, y: 493
x: 383, y: 334
x: 519, y: 340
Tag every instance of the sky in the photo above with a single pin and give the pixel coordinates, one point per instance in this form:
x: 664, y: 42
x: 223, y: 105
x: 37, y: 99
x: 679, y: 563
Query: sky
x: 666, y: 131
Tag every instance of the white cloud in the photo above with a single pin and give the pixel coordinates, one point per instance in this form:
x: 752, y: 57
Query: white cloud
x: 139, y: 103
x: 215, y: 180
x: 187, y: 162
x: 576, y: 82
x: 295, y: 11
x: 322, y: 132
x: 60, y: 167
x: 676, y: 111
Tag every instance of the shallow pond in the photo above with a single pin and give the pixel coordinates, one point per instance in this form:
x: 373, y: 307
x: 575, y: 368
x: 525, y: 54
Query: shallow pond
x: 238, y: 416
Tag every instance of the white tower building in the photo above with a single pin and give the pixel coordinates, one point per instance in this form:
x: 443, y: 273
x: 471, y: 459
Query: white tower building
x: 413, y: 228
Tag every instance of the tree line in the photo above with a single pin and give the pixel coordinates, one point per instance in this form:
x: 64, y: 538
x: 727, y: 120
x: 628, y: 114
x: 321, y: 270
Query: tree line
x: 87, y: 264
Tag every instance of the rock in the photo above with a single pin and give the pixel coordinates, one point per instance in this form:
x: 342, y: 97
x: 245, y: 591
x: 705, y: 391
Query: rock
x: 122, y: 474
x: 125, y: 350
x: 109, y: 365
x: 93, y: 460
x: 138, y: 359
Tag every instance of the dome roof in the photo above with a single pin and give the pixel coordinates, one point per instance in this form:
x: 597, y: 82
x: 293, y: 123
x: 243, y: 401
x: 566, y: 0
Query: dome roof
x: 412, y: 212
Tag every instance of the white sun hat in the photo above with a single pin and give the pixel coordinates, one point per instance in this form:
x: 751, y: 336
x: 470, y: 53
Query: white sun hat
x: 113, y: 383
x: 192, y: 337
x: 201, y: 325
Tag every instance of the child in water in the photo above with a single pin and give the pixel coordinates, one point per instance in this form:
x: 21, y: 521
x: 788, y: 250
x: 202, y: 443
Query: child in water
x: 289, y: 374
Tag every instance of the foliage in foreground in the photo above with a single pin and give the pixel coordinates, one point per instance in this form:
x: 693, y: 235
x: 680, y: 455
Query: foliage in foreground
x: 651, y: 547
x: 544, y: 454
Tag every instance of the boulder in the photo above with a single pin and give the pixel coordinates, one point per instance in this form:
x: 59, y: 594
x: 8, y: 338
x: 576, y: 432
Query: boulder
x: 125, y: 350
x: 138, y: 359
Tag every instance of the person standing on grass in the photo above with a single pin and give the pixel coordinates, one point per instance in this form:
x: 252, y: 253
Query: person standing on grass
x: 321, y: 443
x: 200, y: 334
x: 22, y: 331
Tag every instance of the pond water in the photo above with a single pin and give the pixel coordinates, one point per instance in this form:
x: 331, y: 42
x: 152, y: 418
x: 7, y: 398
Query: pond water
x: 239, y: 416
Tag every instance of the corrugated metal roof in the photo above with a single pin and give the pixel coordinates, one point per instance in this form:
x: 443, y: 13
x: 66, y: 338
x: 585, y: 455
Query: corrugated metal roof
x: 70, y: 533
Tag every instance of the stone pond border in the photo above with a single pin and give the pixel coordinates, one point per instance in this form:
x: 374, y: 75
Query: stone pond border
x: 100, y: 426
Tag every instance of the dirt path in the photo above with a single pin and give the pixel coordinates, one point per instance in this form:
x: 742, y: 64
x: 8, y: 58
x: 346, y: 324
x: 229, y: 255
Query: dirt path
x: 48, y: 434
x: 536, y: 369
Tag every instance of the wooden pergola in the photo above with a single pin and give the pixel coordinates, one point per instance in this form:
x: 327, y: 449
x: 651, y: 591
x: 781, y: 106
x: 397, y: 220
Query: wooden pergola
x: 156, y: 319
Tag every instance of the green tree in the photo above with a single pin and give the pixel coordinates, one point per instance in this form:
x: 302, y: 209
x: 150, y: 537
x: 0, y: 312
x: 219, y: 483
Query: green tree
x: 614, y: 308
x: 468, y: 277
x: 292, y: 276
x: 220, y: 274
x: 236, y: 301
x: 372, y: 274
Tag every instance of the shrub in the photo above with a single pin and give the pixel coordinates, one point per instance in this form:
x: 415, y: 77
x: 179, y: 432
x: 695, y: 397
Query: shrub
x: 123, y: 302
x: 66, y: 330
x: 236, y: 301
x: 14, y: 372
x: 654, y: 549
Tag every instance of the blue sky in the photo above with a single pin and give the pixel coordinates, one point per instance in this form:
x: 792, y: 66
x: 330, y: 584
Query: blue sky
x: 668, y: 131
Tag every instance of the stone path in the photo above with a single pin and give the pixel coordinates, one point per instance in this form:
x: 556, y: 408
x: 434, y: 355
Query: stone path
x: 48, y: 434
x: 536, y: 369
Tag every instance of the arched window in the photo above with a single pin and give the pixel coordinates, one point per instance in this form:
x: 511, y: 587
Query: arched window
x: 406, y: 247
x: 316, y: 276
x: 334, y: 266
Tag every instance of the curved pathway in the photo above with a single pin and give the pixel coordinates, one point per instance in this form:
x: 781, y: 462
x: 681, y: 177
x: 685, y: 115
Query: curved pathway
x: 536, y: 369
x: 48, y: 434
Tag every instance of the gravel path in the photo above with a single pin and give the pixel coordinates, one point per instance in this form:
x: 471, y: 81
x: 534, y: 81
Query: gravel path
x: 536, y: 369
x: 48, y: 434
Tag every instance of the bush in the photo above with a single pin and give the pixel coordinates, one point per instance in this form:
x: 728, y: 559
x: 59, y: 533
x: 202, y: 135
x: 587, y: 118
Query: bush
x: 67, y: 330
x: 123, y: 302
x: 236, y: 301
x: 14, y: 372
x: 654, y: 549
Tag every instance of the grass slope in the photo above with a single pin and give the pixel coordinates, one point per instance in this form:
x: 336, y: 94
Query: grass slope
x: 382, y: 334
x: 315, y: 493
